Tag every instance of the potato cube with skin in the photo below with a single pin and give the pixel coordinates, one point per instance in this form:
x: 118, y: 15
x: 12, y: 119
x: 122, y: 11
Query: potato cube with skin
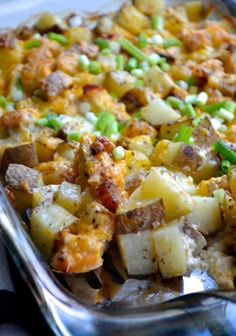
x: 130, y: 18
x: 68, y: 196
x: 157, y: 112
x: 44, y: 193
x: 150, y: 7
x: 170, y: 250
x: 165, y: 153
x: 119, y: 82
x: 137, y: 252
x: 160, y: 184
x: 159, y: 81
x: 205, y: 214
x: 45, y: 222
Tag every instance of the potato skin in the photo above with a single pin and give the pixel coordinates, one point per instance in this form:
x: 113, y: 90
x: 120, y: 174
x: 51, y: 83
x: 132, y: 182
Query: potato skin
x: 140, y: 219
x: 24, y: 154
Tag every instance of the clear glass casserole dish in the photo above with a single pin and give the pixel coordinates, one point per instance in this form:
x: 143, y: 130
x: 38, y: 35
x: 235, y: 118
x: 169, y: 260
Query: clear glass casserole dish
x: 65, y: 314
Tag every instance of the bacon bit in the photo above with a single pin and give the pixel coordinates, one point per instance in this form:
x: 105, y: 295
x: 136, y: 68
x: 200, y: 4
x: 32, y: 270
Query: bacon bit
x: 7, y: 41
x: 90, y: 88
x: 100, y: 144
x: 110, y: 195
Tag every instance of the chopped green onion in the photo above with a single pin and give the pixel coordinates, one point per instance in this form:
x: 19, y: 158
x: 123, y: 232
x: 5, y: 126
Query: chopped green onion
x: 162, y: 60
x: 131, y: 64
x: 144, y: 65
x: 222, y: 128
x: 132, y: 49
x: 139, y: 82
x: 153, y: 59
x: 171, y: 42
x: 191, y: 99
x: 62, y: 40
x: 191, y: 81
x: 118, y: 153
x: 38, y: 93
x: 94, y: 68
x: 157, y: 22
x: 142, y: 41
x: 32, y: 44
x: 230, y: 106
x: 213, y: 107
x: 120, y: 62
x: 54, y: 122
x: 102, y: 43
x: 122, y: 124
x: 165, y: 67
x: 74, y: 135
x: 137, y: 73
x: 42, y: 122
x: 184, y: 135
x: 189, y: 110
x: 19, y: 84
x: 225, y: 166
x: 106, y: 51
x: 224, y: 114
x: 176, y: 102
x: 107, y: 124
x: 224, y: 150
x: 83, y: 62
x: 137, y: 115
x: 197, y: 120
x: 7, y: 105
x: 219, y: 194
x: 202, y: 98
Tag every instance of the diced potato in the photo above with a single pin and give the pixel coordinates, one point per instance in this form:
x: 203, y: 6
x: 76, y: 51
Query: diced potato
x: 137, y: 252
x: 68, y: 196
x: 160, y: 184
x: 158, y: 112
x: 150, y: 7
x: 44, y: 193
x: 165, y: 153
x: 46, y: 147
x: 194, y: 10
x: 136, y: 160
x: 22, y: 199
x: 170, y: 250
x: 119, y: 82
x: 45, y: 222
x: 76, y: 34
x: 205, y: 214
x: 142, y: 143
x: 159, y: 80
x: 47, y: 21
x: 232, y: 182
x: 130, y: 18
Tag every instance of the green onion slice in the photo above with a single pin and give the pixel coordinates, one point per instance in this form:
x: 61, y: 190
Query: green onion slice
x: 184, y: 134
x: 132, y: 49
x: 225, y: 151
x: 62, y: 40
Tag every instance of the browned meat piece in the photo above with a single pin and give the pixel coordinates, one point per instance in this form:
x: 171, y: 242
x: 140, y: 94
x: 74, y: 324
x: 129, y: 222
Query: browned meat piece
x: 136, y: 98
x: 18, y: 119
x: 67, y: 61
x: 55, y: 83
x: 140, y: 219
x: 226, y: 83
x: 19, y: 177
x: 88, y: 49
x: 7, y: 41
x: 196, y: 39
x: 205, y: 69
x: 82, y: 250
x: 23, y: 155
x: 98, y: 169
x: 137, y: 127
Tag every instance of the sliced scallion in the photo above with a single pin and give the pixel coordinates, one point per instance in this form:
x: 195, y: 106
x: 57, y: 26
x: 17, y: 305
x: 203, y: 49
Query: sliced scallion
x: 157, y: 22
x: 32, y: 44
x: 219, y: 194
x: 142, y: 41
x: 132, y: 49
x: 120, y: 62
x: 94, y: 68
x: 118, y: 153
x: 83, y: 62
x: 184, y: 135
x: 131, y: 64
x: 189, y: 111
x: 225, y: 151
x: 74, y: 135
x: 171, y: 42
x: 225, y: 166
x: 62, y: 40
x: 102, y: 43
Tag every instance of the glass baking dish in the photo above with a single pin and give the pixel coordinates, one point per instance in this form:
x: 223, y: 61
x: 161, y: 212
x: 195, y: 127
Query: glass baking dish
x: 210, y: 312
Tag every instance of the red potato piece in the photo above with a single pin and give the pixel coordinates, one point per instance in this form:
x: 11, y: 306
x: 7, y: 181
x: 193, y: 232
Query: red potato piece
x: 140, y: 219
x: 22, y: 178
x: 23, y: 154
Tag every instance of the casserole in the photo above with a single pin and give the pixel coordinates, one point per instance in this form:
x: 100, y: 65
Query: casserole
x: 163, y: 175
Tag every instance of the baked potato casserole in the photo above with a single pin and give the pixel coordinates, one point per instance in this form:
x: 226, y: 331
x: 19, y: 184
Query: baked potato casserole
x: 118, y: 141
